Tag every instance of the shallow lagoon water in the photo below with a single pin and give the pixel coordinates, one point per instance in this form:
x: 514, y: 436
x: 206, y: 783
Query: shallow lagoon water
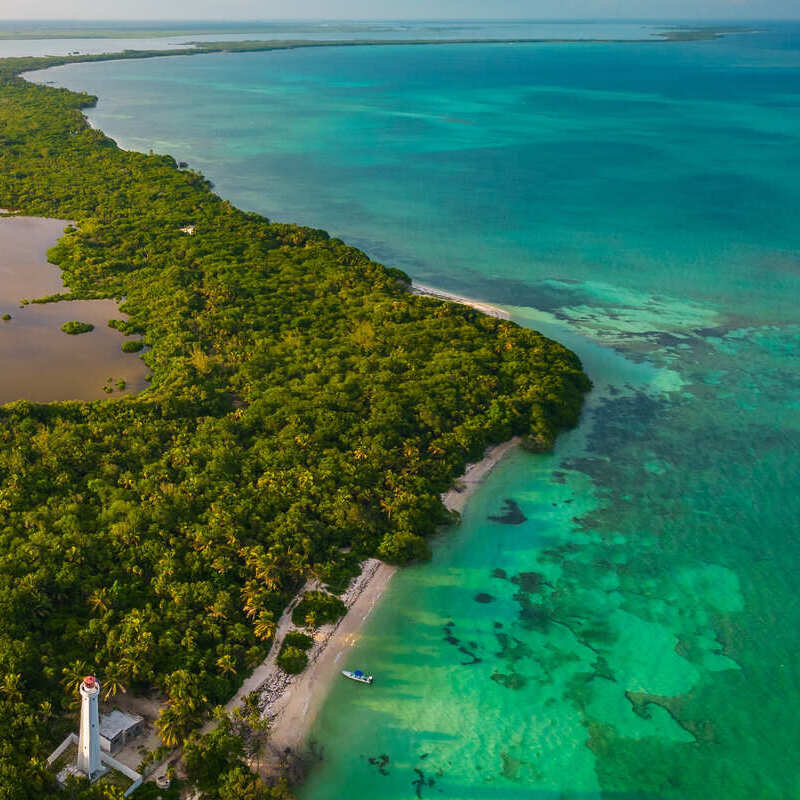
x: 39, y: 362
x: 640, y: 203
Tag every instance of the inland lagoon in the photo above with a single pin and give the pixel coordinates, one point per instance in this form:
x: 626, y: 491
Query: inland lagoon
x: 41, y: 363
x: 618, y: 619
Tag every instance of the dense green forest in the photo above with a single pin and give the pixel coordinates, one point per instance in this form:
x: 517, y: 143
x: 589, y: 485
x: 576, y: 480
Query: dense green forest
x: 302, y: 403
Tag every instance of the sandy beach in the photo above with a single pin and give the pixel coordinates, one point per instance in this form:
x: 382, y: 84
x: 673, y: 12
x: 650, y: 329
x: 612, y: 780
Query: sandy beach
x: 456, y: 498
x: 291, y: 703
x: 439, y: 294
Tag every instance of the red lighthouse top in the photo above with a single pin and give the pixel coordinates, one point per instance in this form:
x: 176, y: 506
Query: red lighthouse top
x: 90, y: 681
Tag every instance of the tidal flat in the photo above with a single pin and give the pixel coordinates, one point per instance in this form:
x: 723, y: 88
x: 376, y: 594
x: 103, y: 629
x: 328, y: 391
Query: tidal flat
x: 40, y: 362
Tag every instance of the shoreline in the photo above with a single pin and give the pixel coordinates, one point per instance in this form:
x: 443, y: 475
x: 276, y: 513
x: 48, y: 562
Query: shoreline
x: 20, y: 66
x: 659, y: 29
x: 439, y: 294
x: 292, y: 702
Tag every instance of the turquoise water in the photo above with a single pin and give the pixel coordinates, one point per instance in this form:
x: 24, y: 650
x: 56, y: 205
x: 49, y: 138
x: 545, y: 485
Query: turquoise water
x: 637, y: 635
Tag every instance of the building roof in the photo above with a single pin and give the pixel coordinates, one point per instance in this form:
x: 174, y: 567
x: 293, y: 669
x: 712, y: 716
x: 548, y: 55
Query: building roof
x: 114, y: 723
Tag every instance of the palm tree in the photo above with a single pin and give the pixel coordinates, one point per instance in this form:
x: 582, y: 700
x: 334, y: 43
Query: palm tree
x: 126, y: 668
x: 112, y: 685
x: 45, y: 711
x: 98, y: 600
x: 264, y: 627
x: 74, y: 675
x: 253, y: 599
x: 219, y: 609
x: 227, y: 664
x: 189, y: 638
x: 268, y: 571
x: 313, y: 573
x: 171, y: 725
x: 10, y: 686
x: 256, y: 749
x: 184, y: 688
x: 297, y: 565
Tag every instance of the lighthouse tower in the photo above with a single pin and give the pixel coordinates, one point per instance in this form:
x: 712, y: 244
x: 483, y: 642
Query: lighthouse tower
x: 89, y: 735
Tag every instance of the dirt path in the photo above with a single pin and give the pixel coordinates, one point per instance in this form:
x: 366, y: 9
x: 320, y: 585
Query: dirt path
x: 268, y: 667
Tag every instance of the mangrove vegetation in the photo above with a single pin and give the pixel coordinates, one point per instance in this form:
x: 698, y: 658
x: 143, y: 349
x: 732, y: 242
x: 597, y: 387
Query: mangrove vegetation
x: 75, y: 328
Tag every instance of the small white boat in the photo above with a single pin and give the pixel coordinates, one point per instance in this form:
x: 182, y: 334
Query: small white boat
x: 358, y: 675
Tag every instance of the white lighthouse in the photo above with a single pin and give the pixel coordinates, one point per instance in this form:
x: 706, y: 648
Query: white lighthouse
x: 89, y: 762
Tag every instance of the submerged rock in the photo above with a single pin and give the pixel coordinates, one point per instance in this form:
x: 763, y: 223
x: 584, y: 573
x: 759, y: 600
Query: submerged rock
x: 421, y: 781
x: 511, y: 648
x: 512, y: 681
x: 534, y: 616
x: 475, y: 659
x: 529, y: 581
x: 511, y: 514
x: 381, y: 762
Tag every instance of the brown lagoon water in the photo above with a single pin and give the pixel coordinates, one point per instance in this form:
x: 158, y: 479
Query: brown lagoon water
x: 39, y: 362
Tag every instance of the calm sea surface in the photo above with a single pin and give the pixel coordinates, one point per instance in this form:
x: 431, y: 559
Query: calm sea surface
x: 637, y: 636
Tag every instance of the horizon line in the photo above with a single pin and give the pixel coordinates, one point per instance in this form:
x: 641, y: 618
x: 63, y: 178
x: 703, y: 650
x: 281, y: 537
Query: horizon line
x: 267, y: 21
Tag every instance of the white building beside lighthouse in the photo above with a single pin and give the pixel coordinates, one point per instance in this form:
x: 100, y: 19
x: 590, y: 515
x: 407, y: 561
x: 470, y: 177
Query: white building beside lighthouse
x: 89, y: 760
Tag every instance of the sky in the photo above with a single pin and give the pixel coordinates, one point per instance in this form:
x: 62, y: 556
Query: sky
x: 396, y: 9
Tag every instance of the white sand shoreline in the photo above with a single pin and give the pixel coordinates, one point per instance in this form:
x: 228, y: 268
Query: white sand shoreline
x: 440, y: 294
x: 291, y: 703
